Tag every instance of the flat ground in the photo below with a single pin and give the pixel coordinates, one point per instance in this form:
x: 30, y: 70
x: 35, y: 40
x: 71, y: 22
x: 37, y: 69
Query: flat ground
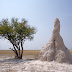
x: 9, y: 64
x: 71, y: 51
x: 25, y: 52
x: 30, y: 63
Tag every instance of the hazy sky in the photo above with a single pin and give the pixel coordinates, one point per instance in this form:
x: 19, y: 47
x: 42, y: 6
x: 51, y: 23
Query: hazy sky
x: 40, y: 14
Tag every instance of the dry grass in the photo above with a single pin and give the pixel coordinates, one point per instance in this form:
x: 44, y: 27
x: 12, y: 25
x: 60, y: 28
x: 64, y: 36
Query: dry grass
x: 25, y: 52
x: 71, y: 51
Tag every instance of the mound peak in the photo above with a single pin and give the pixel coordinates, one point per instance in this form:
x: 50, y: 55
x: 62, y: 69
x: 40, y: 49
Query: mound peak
x: 55, y: 48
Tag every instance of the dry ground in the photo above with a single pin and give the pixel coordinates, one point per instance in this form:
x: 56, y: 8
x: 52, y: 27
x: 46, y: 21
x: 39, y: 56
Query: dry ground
x: 25, y: 52
x: 9, y: 64
x: 29, y: 63
x: 71, y: 51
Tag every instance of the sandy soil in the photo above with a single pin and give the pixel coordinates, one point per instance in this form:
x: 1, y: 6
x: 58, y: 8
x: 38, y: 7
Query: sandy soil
x: 30, y: 64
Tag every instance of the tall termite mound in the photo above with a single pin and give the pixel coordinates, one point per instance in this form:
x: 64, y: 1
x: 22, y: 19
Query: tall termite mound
x: 55, y: 48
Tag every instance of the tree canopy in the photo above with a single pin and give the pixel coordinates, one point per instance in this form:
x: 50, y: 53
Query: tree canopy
x: 16, y: 32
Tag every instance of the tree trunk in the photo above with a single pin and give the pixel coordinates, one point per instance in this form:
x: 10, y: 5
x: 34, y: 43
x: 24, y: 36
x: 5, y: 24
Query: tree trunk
x: 22, y: 49
x: 16, y: 50
x: 18, y: 53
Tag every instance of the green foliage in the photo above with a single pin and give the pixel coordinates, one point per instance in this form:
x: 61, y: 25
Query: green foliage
x: 16, y: 31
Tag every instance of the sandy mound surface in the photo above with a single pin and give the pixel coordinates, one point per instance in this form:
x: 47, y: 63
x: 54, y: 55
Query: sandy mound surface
x: 55, y: 49
x: 39, y: 66
x: 25, y: 65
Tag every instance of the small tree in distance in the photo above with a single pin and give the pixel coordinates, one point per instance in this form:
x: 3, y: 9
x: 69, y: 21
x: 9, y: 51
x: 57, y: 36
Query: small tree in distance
x: 17, y: 33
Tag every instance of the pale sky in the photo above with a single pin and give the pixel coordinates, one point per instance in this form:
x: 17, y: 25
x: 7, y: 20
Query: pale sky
x: 40, y: 14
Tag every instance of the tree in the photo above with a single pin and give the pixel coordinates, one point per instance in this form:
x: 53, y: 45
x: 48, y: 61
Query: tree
x: 17, y: 33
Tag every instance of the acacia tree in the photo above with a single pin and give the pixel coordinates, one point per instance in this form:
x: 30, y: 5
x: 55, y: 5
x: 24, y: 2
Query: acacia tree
x: 17, y: 33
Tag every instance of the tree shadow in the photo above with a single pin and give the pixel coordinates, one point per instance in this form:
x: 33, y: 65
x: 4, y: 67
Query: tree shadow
x: 15, y: 61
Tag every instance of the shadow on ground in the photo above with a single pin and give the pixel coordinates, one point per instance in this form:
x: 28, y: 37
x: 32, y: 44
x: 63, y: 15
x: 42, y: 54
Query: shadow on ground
x: 15, y: 61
